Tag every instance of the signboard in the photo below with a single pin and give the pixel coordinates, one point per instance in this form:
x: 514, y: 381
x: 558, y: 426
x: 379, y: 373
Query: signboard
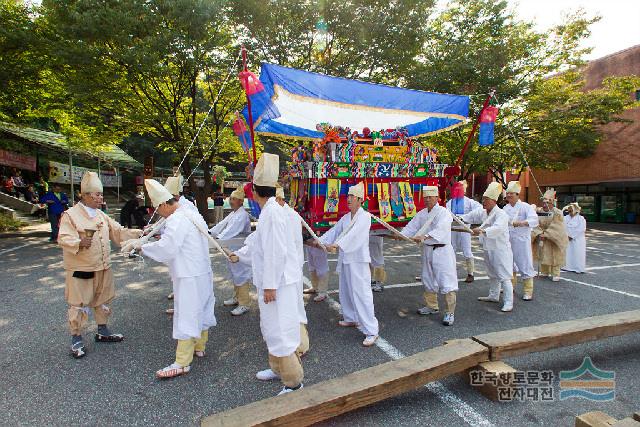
x: 19, y: 161
x: 59, y: 173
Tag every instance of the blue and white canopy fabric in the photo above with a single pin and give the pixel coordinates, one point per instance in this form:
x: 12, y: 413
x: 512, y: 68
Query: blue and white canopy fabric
x: 295, y: 101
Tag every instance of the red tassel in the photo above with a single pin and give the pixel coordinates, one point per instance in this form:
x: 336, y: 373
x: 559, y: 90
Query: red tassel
x: 250, y: 82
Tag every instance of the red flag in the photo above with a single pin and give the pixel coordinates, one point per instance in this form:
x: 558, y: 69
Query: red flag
x: 250, y: 82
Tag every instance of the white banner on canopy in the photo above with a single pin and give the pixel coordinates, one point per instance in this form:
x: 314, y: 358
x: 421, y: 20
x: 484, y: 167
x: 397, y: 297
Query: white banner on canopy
x: 59, y: 173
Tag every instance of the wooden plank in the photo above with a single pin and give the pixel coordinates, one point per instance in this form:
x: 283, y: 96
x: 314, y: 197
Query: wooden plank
x: 334, y: 397
x: 496, y: 380
x: 626, y: 422
x: 594, y: 419
x: 532, y: 339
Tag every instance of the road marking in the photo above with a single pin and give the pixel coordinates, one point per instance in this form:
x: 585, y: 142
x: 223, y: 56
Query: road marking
x: 598, y: 251
x: 605, y: 267
x: 457, y: 405
x: 409, y: 285
x: 600, y: 287
x: 6, y: 251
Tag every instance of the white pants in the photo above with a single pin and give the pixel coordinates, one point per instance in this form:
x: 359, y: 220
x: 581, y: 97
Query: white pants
x: 356, y: 297
x: 522, y: 257
x: 439, y: 269
x: 461, y: 242
x: 376, y: 251
x: 280, y: 320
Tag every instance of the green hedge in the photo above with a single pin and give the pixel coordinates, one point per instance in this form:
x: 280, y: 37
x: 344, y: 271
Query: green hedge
x: 9, y: 224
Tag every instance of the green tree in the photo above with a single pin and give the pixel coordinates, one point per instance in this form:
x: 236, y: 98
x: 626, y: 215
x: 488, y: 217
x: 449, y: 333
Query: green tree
x: 152, y: 68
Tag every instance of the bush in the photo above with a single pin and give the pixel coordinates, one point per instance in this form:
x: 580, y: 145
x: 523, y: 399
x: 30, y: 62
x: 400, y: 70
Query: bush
x: 9, y: 224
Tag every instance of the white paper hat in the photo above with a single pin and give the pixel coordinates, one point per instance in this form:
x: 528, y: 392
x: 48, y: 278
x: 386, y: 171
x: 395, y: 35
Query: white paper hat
x: 514, y: 187
x: 157, y: 192
x: 238, y: 193
x: 279, y: 191
x: 357, y: 190
x: 430, y: 190
x: 493, y: 191
x: 575, y: 206
x: 549, y: 195
x: 174, y: 184
x: 267, y: 170
x: 90, y: 183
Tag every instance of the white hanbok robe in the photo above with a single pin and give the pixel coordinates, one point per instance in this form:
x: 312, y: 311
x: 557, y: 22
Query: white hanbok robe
x: 232, y: 230
x: 296, y: 236
x: 274, y: 263
x: 438, y: 263
x: 376, y: 249
x: 461, y: 242
x: 354, y: 281
x: 577, y: 249
x: 185, y: 250
x: 495, y: 241
x: 520, y: 237
x: 183, y: 201
x: 317, y: 260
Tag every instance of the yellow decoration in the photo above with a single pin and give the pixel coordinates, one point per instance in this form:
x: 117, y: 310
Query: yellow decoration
x: 407, y: 199
x: 333, y: 196
x: 383, y: 201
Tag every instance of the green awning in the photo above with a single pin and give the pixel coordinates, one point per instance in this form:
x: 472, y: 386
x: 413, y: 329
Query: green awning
x: 113, y: 154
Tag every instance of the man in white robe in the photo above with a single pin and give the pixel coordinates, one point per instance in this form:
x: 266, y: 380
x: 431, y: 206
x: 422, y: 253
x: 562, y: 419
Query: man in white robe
x: 232, y: 230
x: 522, y: 219
x: 350, y: 236
x: 175, y: 185
x: 461, y: 242
x: 376, y: 252
x: 494, y: 237
x: 184, y: 248
x: 576, y: 227
x: 431, y: 227
x: 318, y: 265
x: 296, y: 237
x: 276, y: 274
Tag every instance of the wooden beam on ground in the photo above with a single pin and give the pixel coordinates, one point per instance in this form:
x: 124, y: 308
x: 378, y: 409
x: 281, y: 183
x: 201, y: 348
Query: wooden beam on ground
x: 595, y: 419
x: 626, y: 422
x: 334, y: 397
x: 532, y: 339
x: 494, y: 379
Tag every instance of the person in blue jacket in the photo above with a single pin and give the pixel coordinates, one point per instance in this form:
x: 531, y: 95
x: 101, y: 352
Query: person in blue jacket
x: 57, y: 202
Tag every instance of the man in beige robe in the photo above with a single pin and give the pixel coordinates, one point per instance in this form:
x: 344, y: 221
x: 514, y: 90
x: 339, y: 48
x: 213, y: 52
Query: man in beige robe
x: 549, y: 238
x: 85, y: 235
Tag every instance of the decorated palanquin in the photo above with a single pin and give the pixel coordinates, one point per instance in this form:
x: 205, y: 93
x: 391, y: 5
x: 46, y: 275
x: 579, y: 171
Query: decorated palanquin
x: 392, y: 165
x: 329, y: 117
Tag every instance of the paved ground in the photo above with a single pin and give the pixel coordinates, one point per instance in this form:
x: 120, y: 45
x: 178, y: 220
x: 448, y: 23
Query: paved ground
x: 114, y: 383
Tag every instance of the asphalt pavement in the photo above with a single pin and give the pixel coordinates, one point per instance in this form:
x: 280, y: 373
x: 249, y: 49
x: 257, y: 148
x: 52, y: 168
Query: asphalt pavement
x: 115, y: 385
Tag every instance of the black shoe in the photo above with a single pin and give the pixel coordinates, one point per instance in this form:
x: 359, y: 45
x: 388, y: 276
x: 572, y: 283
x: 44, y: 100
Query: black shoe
x: 377, y: 287
x: 77, y: 350
x: 109, y: 338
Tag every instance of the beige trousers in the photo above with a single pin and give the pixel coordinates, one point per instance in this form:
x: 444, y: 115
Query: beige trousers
x: 242, y: 294
x: 185, y: 348
x: 288, y: 368
x: 304, y: 340
x: 84, y: 294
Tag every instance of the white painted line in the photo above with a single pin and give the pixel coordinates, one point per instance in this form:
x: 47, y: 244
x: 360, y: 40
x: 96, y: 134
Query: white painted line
x: 605, y: 267
x: 462, y: 409
x: 409, y: 285
x: 6, y: 251
x: 598, y: 251
x: 601, y: 287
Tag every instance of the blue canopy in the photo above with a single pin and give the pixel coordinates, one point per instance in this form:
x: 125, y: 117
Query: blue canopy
x: 295, y: 101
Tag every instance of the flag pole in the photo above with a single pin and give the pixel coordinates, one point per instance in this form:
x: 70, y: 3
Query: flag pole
x: 246, y: 84
x: 472, y: 133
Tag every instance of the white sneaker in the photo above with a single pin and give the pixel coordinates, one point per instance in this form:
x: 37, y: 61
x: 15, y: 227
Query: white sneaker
x: 369, y: 340
x: 286, y: 389
x: 230, y: 302
x: 376, y: 287
x: 448, y: 319
x: 488, y: 299
x: 555, y: 279
x: 239, y: 310
x: 506, y: 308
x: 527, y: 297
x: 427, y: 310
x: 267, y: 375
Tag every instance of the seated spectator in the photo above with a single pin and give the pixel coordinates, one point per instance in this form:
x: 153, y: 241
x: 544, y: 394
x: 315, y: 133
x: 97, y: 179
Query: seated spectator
x: 30, y: 194
x: 8, y: 187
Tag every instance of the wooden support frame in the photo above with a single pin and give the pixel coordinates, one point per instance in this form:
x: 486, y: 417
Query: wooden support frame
x: 337, y: 396
x: 533, y: 339
x: 595, y: 419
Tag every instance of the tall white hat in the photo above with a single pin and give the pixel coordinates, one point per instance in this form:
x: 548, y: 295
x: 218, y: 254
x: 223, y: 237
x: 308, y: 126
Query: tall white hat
x: 357, y: 190
x: 157, y: 192
x: 238, y: 193
x: 549, y: 195
x: 267, y: 170
x: 90, y: 183
x: 430, y: 190
x: 493, y: 191
x: 174, y: 184
x: 514, y: 187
